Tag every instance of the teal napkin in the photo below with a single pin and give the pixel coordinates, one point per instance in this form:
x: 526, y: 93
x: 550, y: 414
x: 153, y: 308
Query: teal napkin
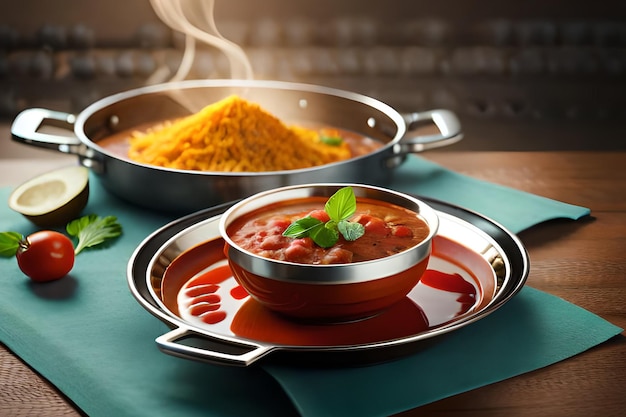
x: 92, y: 340
x: 531, y: 331
x: 514, y: 209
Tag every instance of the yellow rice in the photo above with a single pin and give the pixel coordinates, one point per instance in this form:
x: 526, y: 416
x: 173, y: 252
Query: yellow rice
x: 233, y: 135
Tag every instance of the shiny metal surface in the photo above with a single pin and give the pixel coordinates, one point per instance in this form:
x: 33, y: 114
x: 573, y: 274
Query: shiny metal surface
x: 329, y: 274
x: 185, y: 191
x: 500, y: 248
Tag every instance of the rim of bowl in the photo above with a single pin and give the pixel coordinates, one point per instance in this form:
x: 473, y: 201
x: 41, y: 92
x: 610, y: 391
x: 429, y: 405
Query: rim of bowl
x: 332, y: 273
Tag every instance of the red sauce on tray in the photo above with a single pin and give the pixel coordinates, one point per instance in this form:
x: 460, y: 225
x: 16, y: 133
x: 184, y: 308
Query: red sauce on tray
x: 199, y: 298
x: 389, y: 229
x: 200, y: 289
x: 203, y: 298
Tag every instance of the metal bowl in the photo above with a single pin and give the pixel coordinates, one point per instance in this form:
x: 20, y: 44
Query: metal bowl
x: 337, y: 292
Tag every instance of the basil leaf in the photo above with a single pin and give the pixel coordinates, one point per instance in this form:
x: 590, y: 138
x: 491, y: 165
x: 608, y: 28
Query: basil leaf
x: 341, y: 205
x: 9, y: 243
x: 351, y: 231
x: 325, y: 236
x: 302, y: 227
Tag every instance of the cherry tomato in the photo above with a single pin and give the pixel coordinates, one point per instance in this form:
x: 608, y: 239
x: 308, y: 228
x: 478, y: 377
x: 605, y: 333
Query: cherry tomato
x: 46, y: 256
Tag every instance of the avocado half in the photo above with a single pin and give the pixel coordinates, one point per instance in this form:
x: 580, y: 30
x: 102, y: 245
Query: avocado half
x: 54, y: 198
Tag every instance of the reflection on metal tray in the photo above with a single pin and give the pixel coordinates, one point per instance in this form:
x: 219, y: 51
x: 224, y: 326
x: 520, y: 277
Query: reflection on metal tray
x: 476, y: 267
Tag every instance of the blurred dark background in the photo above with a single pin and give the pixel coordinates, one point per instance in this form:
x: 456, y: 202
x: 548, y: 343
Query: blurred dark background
x: 531, y: 75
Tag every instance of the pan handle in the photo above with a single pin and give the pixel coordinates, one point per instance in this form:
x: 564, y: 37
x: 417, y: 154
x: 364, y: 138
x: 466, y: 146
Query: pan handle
x: 445, y: 120
x: 207, y: 349
x: 25, y: 130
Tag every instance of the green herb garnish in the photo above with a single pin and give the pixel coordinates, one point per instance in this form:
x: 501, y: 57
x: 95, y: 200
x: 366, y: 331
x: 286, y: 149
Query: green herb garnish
x: 331, y: 140
x: 92, y: 230
x: 339, y: 207
x: 9, y: 243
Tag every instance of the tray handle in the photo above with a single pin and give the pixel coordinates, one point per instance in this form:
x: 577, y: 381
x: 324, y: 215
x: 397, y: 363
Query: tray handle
x: 188, y: 344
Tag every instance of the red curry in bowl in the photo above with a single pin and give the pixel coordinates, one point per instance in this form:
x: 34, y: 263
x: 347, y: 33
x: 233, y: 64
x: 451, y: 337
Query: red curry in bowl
x: 389, y: 229
x: 357, y: 275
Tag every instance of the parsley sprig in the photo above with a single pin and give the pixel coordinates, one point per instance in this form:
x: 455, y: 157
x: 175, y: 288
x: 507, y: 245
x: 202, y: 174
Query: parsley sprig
x: 339, y: 207
x: 92, y: 230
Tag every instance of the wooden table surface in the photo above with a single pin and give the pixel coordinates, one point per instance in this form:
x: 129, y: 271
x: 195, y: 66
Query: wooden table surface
x: 583, y: 262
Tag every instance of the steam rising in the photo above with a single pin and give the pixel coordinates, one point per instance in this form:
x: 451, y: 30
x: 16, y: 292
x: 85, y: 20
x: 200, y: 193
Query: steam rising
x: 194, y: 18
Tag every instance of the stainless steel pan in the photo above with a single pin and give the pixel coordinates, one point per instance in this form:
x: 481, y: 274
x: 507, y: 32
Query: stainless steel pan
x: 187, y: 191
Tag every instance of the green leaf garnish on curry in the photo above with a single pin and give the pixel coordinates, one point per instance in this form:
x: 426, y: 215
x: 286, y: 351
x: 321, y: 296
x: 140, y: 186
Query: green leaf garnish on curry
x: 339, y: 207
